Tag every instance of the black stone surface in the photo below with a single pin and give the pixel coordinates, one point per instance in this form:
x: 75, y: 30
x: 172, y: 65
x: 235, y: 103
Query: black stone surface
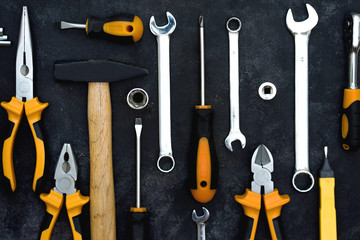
x: 266, y: 54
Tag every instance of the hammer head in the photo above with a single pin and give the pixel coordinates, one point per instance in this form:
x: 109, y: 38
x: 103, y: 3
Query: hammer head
x: 96, y: 71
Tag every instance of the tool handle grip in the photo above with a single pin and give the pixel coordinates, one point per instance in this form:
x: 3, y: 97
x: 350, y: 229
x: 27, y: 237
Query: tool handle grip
x: 74, y: 204
x: 54, y: 202
x: 350, y: 123
x: 102, y: 195
x: 204, y: 166
x: 33, y: 111
x: 125, y: 28
x: 328, y: 229
x: 138, y: 225
x: 15, y: 111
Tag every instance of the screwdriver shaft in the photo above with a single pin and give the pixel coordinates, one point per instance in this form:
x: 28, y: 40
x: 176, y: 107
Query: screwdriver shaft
x: 202, y: 60
x: 138, y: 128
x: 66, y: 25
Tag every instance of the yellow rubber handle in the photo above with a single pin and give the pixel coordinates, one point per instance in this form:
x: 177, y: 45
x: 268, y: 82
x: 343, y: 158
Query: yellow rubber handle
x: 74, y: 204
x: 15, y: 110
x: 54, y: 202
x: 328, y: 227
x: 33, y: 110
x: 350, y: 130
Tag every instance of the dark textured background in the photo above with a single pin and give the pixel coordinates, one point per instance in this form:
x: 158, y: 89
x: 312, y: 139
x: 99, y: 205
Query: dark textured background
x: 266, y: 54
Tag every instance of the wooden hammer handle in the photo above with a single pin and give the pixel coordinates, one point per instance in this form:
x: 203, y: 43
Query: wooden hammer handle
x: 102, y: 196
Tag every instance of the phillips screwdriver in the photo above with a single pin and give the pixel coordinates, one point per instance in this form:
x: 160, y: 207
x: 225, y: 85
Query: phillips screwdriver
x: 350, y: 123
x: 328, y: 229
x: 203, y: 167
x: 125, y: 27
x: 138, y: 216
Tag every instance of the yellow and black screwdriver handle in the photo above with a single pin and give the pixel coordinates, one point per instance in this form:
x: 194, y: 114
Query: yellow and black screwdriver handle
x: 251, y: 203
x: 15, y: 110
x: 125, y: 27
x: 350, y: 123
x: 203, y: 166
x: 54, y: 202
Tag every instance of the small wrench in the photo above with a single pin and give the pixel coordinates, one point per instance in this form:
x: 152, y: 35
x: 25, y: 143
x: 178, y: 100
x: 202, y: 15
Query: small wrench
x: 235, y: 133
x: 301, y: 32
x: 163, y: 44
x: 200, y: 222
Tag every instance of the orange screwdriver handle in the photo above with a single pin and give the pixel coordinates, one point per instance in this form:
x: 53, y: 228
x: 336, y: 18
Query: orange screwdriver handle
x: 251, y: 203
x: 125, y: 28
x: 15, y: 110
x: 33, y: 110
x: 273, y: 203
x: 350, y: 122
x: 204, y: 166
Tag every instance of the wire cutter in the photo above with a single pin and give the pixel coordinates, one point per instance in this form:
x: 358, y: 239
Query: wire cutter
x: 24, y: 101
x: 65, y: 178
x: 262, y: 166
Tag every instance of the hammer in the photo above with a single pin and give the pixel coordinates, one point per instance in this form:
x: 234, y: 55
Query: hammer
x: 98, y: 73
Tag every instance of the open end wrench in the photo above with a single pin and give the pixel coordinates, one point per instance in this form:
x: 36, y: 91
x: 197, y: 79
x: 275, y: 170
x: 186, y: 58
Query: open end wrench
x: 235, y: 133
x: 163, y: 44
x: 301, y: 32
x: 200, y: 222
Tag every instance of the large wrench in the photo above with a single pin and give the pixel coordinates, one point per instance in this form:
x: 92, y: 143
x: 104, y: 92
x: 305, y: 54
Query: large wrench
x: 235, y: 133
x: 301, y: 32
x: 200, y: 222
x: 163, y: 44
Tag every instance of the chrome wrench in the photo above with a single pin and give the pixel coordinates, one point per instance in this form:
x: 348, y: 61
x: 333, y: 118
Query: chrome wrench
x: 200, y: 222
x: 163, y: 44
x: 235, y: 133
x: 301, y: 32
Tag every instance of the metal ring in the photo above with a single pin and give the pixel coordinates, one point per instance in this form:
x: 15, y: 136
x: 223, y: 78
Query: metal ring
x: 235, y: 19
x: 297, y: 173
x: 267, y: 91
x: 137, y: 98
x: 168, y: 170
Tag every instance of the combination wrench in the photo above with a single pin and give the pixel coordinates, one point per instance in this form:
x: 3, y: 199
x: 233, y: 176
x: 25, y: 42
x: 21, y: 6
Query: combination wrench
x: 163, y: 44
x: 235, y: 133
x: 200, y: 222
x: 301, y: 32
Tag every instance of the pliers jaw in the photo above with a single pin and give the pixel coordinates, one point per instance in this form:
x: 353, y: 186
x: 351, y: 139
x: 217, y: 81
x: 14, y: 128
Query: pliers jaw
x: 66, y: 171
x: 262, y: 165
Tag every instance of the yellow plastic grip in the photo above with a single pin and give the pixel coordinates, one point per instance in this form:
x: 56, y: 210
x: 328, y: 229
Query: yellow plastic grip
x: 125, y: 28
x: 15, y: 110
x: 328, y: 227
x: 273, y: 203
x: 251, y: 203
x: 33, y: 110
x: 74, y: 204
x: 54, y: 202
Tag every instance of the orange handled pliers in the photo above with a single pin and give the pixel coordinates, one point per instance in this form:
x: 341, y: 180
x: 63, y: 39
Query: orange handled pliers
x: 24, y: 101
x: 262, y: 166
x: 65, y: 178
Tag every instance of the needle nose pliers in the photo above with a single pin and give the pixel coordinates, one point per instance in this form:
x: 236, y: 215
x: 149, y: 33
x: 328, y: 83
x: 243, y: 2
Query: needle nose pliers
x: 24, y: 101
x: 65, y: 178
x: 262, y: 166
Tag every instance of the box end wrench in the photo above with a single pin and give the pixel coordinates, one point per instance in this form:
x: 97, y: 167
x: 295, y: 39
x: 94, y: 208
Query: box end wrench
x: 163, y: 44
x: 200, y: 222
x: 301, y: 32
x: 235, y: 133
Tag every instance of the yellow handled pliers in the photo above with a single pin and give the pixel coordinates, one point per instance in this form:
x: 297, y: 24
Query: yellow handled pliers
x: 65, y: 178
x: 24, y: 101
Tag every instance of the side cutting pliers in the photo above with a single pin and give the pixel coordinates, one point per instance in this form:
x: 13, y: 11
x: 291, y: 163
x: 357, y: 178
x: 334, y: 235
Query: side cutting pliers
x: 65, y: 178
x: 24, y: 101
x: 262, y: 166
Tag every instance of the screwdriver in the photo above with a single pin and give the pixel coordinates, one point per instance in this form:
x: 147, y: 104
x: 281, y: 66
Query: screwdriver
x: 125, y: 27
x: 327, y: 201
x: 138, y: 216
x: 203, y: 167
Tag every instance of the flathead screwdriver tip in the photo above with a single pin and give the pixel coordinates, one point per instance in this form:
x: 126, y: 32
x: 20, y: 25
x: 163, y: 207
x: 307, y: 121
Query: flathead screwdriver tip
x: 201, y: 21
x: 326, y: 151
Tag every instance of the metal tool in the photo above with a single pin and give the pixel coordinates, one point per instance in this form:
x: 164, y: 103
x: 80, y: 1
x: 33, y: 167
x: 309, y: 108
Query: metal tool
x: 3, y: 38
x: 163, y: 34
x: 66, y: 174
x: 350, y: 123
x: 262, y: 165
x: 328, y: 228
x: 301, y: 32
x: 235, y: 133
x: 24, y: 101
x: 200, y: 222
x: 137, y: 98
x: 267, y: 91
